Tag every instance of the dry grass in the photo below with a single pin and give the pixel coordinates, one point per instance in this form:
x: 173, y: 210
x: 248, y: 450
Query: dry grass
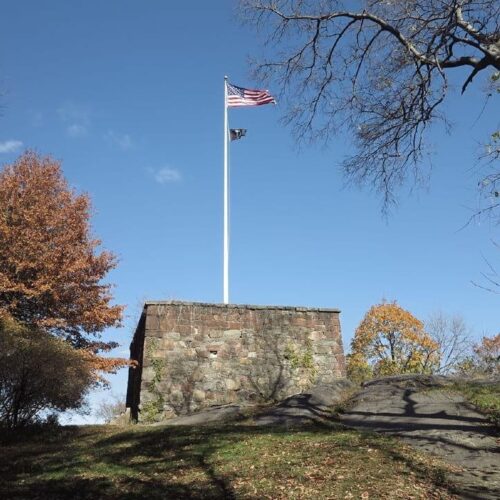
x: 224, y: 461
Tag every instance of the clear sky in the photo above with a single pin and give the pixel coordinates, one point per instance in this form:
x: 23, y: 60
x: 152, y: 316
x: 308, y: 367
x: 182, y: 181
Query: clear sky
x: 129, y: 95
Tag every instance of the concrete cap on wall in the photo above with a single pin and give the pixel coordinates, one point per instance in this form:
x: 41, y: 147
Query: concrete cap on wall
x: 239, y: 306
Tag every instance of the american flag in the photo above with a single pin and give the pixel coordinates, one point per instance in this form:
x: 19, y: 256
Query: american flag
x: 238, y: 96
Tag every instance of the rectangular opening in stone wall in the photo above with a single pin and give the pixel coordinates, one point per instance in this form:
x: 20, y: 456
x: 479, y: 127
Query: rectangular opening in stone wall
x: 213, y: 354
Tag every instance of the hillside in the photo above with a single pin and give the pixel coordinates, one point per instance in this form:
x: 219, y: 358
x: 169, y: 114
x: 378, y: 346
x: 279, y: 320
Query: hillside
x: 221, y: 461
x: 297, y: 449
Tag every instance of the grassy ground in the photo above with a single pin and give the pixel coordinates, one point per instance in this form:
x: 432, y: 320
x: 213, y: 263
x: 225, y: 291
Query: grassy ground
x: 485, y: 397
x: 229, y: 461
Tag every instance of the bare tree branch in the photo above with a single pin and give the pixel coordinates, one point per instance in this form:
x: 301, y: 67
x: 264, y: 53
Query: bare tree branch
x: 379, y: 73
x: 453, y: 337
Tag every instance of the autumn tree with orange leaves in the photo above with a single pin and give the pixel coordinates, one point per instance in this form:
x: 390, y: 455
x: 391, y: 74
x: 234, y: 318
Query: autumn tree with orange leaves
x: 51, y: 266
x: 487, y: 354
x: 485, y: 359
x: 388, y: 341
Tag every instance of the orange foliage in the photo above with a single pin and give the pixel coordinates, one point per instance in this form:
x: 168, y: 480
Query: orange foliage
x: 391, y: 340
x: 100, y: 364
x: 50, y: 264
x: 488, y: 354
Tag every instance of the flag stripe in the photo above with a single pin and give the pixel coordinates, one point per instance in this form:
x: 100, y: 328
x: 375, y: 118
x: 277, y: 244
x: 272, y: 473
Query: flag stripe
x: 238, y: 96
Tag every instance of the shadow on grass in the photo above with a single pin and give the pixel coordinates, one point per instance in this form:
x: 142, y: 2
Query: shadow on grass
x: 145, y: 462
x: 97, y: 488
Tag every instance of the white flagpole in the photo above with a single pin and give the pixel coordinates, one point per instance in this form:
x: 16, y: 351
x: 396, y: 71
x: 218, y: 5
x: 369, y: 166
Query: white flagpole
x: 226, y: 207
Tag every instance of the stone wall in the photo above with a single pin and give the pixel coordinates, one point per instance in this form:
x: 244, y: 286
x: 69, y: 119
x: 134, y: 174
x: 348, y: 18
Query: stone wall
x: 194, y: 355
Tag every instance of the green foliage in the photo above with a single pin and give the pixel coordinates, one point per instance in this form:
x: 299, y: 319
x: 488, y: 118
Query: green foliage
x: 151, y: 411
x: 358, y: 370
x: 307, y: 357
x: 485, y: 396
x: 157, y: 364
x: 38, y: 373
x: 302, y: 360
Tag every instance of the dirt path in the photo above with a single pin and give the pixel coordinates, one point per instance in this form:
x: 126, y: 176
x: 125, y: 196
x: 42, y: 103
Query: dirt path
x: 437, y: 421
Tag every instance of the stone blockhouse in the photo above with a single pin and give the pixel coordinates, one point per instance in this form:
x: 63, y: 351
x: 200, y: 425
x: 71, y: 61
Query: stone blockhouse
x: 194, y: 355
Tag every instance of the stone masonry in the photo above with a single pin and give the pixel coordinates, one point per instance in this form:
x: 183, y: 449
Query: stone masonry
x: 194, y: 355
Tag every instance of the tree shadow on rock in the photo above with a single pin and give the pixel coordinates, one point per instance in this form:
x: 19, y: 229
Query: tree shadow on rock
x: 269, y: 375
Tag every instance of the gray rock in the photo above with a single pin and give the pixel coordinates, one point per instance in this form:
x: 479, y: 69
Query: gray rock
x: 438, y: 421
x: 213, y: 414
x: 329, y: 394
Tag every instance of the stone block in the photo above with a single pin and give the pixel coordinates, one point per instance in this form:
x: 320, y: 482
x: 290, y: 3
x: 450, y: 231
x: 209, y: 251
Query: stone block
x: 316, y: 335
x: 199, y: 395
x: 323, y: 349
x: 152, y: 322
x: 229, y: 397
x: 232, y: 385
x: 176, y: 395
x: 158, y: 354
x: 232, y: 334
x: 198, y: 375
x: 215, y: 334
x: 171, y: 335
x: 248, y: 347
x: 154, y: 334
x: 168, y: 344
x: 147, y: 374
x: 215, y: 346
x: 146, y: 397
x: 164, y: 387
x: 168, y: 412
x: 174, y: 356
x: 298, y: 321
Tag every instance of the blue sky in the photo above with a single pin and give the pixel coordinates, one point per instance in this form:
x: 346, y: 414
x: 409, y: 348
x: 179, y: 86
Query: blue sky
x: 129, y: 95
